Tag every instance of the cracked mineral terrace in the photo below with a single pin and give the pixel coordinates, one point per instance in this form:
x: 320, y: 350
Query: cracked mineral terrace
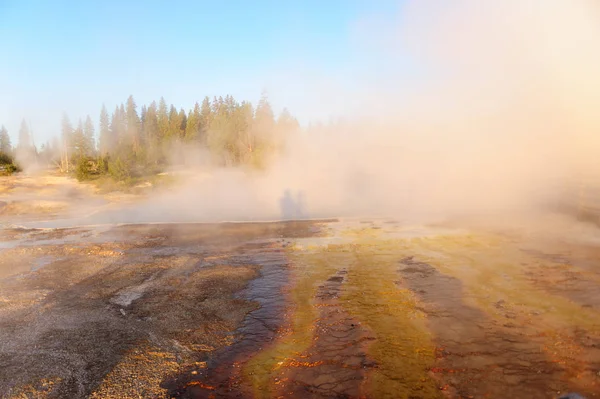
x: 344, y: 309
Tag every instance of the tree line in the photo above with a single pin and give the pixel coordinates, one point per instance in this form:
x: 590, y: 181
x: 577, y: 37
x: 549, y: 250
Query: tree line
x: 131, y: 142
x: 8, y: 165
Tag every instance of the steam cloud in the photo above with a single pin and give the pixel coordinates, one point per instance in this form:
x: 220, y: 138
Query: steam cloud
x: 500, y: 111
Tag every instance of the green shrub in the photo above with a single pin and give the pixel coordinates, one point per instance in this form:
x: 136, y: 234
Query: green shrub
x: 5, y: 159
x: 7, y: 165
x: 119, y: 169
x: 89, y: 168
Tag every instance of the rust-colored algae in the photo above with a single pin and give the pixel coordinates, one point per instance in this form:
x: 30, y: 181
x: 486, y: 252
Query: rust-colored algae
x: 493, y: 270
x: 498, y: 279
x: 200, y: 384
x: 264, y: 368
x: 381, y: 288
x: 41, y: 390
x: 403, y: 350
x: 463, y: 315
x: 139, y: 374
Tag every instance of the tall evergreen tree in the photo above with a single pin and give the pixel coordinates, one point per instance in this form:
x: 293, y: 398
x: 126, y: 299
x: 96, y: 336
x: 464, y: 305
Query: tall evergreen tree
x: 192, y: 127
x: 243, y: 120
x: 79, y: 142
x: 24, y: 137
x: 67, y: 139
x: 90, y: 140
x: 264, y: 113
x: 174, y: 123
x: 105, y: 142
x: 205, y: 119
x: 143, y: 114
x: 25, y: 152
x: 5, y: 144
x: 226, y: 130
x: 133, y: 125
x: 286, y: 122
x: 117, y: 128
x: 151, y: 129
x: 152, y: 134
x: 122, y: 123
x: 66, y: 127
x: 182, y: 117
x: 163, y: 119
x: 217, y: 104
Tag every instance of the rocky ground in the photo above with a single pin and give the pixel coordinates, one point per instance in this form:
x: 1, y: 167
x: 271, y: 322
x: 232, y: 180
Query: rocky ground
x: 345, y: 309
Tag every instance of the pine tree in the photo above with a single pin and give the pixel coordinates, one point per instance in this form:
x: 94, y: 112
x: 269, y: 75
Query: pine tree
x: 79, y: 145
x: 264, y: 113
x: 245, y: 122
x: 182, y: 118
x: 24, y: 137
x: 174, y: 123
x: 163, y: 119
x: 206, y: 116
x: 217, y: 139
x: 90, y: 141
x: 105, y: 133
x: 152, y: 133
x: 217, y: 104
x: 230, y: 103
x: 116, y: 129
x: 122, y: 124
x: 151, y: 130
x: 133, y: 125
x: 143, y: 114
x: 261, y: 136
x: 66, y: 126
x: 25, y: 152
x: 286, y: 122
x: 192, y: 128
x: 85, y: 148
x: 5, y: 145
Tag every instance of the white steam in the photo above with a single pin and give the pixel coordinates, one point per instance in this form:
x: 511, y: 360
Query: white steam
x: 501, y: 108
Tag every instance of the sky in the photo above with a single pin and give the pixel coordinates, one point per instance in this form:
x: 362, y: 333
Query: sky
x: 73, y: 56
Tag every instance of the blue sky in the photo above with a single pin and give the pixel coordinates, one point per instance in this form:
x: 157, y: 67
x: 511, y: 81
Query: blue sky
x: 75, y: 55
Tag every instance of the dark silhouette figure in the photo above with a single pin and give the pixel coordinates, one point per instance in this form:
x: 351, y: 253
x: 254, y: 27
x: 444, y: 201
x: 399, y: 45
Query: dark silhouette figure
x: 287, y: 205
x: 293, y: 209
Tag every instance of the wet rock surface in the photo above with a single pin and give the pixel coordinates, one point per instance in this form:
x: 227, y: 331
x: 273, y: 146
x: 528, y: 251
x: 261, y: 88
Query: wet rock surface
x: 467, y: 340
x: 336, y: 363
x: 276, y: 310
x: 72, y: 315
x: 221, y: 374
